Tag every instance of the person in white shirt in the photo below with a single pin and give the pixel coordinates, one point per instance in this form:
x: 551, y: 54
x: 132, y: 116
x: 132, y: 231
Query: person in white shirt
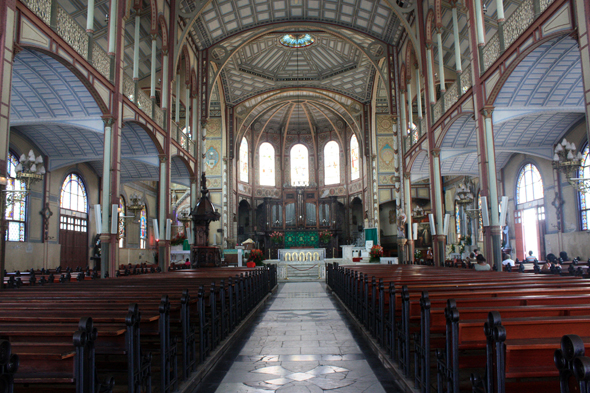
x: 506, y: 260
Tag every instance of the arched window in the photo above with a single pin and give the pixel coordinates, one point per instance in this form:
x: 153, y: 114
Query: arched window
x: 143, y: 228
x: 16, y: 205
x: 355, y: 169
x: 244, y: 160
x: 530, y: 185
x: 122, y: 210
x: 457, y: 221
x: 299, y: 165
x: 73, y: 204
x: 584, y: 173
x: 267, y: 164
x: 331, y: 163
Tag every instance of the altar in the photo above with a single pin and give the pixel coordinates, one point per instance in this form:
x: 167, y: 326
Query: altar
x: 302, y: 255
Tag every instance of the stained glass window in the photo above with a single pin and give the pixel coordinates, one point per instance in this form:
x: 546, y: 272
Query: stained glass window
x: 73, y: 194
x: 355, y: 170
x: 15, y: 203
x: 244, y: 161
x: 332, y: 163
x: 122, y: 209
x: 73, y: 205
x: 584, y: 173
x: 299, y: 165
x: 267, y: 165
x: 142, y: 228
x: 458, y: 221
x: 530, y: 185
x: 296, y: 40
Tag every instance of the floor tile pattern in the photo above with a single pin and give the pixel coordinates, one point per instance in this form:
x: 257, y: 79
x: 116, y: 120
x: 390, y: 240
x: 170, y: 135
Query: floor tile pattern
x: 302, y: 343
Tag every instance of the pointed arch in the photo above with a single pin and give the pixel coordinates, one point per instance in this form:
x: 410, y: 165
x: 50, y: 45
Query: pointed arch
x: 428, y: 32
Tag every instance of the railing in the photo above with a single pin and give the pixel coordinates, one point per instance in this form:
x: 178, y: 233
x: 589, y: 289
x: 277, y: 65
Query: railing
x: 451, y: 96
x: 179, y: 136
x: 466, y: 79
x: 75, y: 35
x: 437, y: 111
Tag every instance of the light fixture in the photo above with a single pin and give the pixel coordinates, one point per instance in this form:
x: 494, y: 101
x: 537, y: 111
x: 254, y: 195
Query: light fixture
x: 136, y: 203
x: 29, y: 171
x: 570, y: 164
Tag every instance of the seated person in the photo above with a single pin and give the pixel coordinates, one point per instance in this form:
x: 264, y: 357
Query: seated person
x: 482, y: 265
x: 563, y: 256
x: 506, y: 260
x: 187, y: 264
x: 530, y: 258
x: 546, y: 267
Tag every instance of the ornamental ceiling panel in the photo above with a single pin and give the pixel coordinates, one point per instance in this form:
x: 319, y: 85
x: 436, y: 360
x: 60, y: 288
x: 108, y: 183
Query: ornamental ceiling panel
x: 222, y: 18
x: 329, y: 62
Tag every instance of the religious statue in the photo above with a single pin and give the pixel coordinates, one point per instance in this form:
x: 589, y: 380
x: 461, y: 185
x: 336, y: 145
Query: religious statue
x: 401, y: 222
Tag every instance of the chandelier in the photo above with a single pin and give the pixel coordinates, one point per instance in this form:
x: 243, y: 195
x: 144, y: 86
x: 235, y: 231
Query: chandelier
x: 29, y: 171
x: 136, y: 203
x: 463, y: 195
x: 570, y: 164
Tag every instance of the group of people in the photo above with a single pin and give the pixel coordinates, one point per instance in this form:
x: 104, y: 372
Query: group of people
x: 482, y: 265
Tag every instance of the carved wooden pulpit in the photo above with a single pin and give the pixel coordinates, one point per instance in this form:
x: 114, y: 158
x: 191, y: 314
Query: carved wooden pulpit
x: 203, y: 255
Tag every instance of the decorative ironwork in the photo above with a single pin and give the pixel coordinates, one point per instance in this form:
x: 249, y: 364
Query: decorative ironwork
x: 144, y: 102
x: 159, y: 116
x: 128, y: 87
x: 491, y: 51
x: 101, y: 60
x: 72, y: 32
x: 466, y: 78
x: 544, y: 4
x: 437, y: 111
x: 41, y: 8
x: 451, y: 96
x: 518, y: 22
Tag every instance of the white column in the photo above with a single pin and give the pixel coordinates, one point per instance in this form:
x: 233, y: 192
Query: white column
x: 177, y: 109
x: 418, y: 94
x: 437, y: 192
x: 194, y: 135
x: 409, y: 89
x: 458, y: 65
x: 479, y: 24
x: 431, y: 95
x: 106, y: 175
x: 112, y: 27
x: 136, y: 47
x: 408, y: 199
x: 441, y: 65
x: 403, y: 129
x: 500, y: 10
x: 164, y: 98
x: 153, y: 70
x: 492, y: 182
x: 90, y: 16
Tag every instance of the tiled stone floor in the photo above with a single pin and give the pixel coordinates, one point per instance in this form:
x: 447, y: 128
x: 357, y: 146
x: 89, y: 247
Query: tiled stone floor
x: 301, y: 343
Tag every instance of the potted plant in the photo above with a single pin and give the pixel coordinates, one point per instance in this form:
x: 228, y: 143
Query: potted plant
x: 255, y: 259
x: 376, y: 253
x: 276, y: 237
x: 325, y: 236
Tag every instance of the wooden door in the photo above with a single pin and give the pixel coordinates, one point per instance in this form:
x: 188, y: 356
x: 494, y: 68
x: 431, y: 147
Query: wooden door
x: 73, y: 238
x: 518, y: 234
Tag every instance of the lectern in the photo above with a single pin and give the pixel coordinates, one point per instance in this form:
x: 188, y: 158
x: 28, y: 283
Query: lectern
x: 203, y: 255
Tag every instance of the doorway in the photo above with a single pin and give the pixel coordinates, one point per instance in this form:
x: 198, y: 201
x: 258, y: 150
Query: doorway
x: 531, y: 232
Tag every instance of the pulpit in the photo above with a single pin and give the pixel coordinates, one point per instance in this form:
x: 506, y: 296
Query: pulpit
x: 202, y: 254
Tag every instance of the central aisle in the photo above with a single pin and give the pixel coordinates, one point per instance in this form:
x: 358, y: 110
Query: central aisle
x: 301, y: 343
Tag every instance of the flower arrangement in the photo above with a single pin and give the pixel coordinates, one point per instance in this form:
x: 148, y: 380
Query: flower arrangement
x: 376, y: 252
x: 178, y: 239
x: 276, y: 237
x: 417, y: 254
x: 256, y: 257
x: 325, y: 236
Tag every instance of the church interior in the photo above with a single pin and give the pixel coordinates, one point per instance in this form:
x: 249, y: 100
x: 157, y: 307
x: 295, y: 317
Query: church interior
x: 306, y: 138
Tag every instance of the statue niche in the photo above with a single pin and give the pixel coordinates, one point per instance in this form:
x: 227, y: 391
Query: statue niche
x: 203, y: 255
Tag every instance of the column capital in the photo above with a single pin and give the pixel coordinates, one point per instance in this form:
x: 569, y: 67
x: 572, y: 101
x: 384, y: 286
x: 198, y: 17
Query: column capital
x: 154, y: 35
x: 435, y: 152
x: 487, y: 111
x: 163, y: 158
x: 407, y: 175
x: 428, y: 45
x: 108, y: 120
